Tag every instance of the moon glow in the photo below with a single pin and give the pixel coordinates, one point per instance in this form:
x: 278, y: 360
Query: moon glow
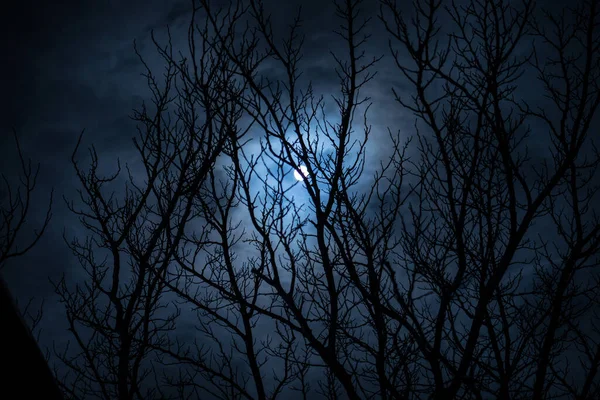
x: 301, y: 174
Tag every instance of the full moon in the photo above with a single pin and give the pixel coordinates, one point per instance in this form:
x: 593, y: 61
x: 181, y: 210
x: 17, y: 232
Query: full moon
x: 300, y: 175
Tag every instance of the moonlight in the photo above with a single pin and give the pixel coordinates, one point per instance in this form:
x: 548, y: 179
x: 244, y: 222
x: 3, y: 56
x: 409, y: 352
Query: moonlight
x: 301, y: 174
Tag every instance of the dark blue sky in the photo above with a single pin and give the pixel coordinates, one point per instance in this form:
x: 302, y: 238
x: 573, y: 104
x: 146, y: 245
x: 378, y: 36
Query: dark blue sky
x: 71, y: 66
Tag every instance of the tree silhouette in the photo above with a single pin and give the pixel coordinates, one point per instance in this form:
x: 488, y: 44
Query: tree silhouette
x: 21, y: 356
x: 460, y: 264
x: 119, y: 314
x: 15, y: 205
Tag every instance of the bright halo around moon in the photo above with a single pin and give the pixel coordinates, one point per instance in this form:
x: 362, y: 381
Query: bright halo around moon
x: 300, y: 175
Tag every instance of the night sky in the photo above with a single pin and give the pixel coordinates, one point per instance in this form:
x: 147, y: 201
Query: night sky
x: 70, y: 66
